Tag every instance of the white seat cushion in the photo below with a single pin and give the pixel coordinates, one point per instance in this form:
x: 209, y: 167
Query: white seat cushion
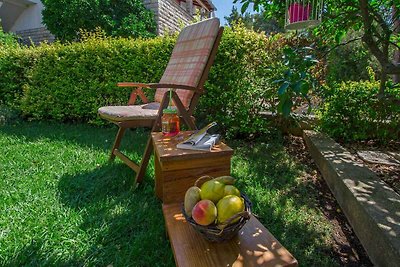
x: 126, y: 113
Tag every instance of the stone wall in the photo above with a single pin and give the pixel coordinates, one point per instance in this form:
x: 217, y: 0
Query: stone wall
x: 169, y: 15
x: 36, y: 36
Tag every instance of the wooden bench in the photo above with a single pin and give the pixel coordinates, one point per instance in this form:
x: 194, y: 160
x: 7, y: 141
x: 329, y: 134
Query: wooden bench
x: 176, y: 170
x: 254, y: 245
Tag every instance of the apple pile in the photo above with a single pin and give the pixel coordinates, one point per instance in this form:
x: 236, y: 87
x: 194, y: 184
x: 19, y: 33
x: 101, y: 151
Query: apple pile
x: 216, y: 201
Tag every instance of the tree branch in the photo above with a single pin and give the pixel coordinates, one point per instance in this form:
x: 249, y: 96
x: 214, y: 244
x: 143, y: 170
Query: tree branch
x: 341, y: 44
x: 368, y: 35
x: 373, y: 47
x: 381, y: 22
x: 390, y: 68
x: 394, y: 44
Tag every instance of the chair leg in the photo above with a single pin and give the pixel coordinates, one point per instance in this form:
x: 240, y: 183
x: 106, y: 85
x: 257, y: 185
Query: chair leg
x: 149, y: 147
x: 117, y: 142
x: 145, y: 161
x: 188, y: 119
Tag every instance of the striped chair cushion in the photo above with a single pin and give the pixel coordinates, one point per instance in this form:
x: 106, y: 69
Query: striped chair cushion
x: 127, y: 113
x: 189, y: 58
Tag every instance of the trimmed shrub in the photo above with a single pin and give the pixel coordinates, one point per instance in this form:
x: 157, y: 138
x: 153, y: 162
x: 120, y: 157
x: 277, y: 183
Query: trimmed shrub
x: 7, y: 39
x: 240, y: 82
x: 352, y: 111
x: 14, y: 65
x: 69, y: 82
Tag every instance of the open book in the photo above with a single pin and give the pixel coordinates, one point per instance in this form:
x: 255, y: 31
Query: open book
x: 201, y: 140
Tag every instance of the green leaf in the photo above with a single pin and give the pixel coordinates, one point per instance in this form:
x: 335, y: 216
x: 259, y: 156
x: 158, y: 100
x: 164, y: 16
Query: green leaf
x: 304, y: 88
x: 288, y: 73
x: 297, y: 87
x: 283, y: 88
x: 340, y: 34
x: 256, y: 5
x: 289, y: 53
x: 278, y: 81
x: 286, y: 107
x: 244, y: 7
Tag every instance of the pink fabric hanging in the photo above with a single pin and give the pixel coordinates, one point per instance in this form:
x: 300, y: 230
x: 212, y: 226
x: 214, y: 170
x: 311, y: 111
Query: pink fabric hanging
x: 298, y: 12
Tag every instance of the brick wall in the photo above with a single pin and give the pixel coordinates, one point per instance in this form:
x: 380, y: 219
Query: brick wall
x: 35, y: 36
x: 170, y: 16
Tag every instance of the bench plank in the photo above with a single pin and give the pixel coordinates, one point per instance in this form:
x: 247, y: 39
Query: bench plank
x: 254, y: 245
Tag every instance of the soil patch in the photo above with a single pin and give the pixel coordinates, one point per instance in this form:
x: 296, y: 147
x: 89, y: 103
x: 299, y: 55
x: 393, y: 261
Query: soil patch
x: 388, y: 174
x: 347, y: 249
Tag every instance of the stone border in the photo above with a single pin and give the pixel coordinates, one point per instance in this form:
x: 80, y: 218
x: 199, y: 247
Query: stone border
x: 372, y: 208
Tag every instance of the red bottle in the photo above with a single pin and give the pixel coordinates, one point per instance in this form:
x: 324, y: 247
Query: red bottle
x: 170, y: 122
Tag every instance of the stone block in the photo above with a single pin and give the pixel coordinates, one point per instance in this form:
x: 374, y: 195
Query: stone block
x: 371, y: 206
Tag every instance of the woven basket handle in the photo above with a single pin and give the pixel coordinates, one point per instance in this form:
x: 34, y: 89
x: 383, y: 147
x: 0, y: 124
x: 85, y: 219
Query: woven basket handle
x: 224, y: 224
x: 202, y: 180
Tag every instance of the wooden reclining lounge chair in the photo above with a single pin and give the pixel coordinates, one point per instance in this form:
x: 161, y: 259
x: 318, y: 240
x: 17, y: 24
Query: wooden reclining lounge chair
x: 185, y: 75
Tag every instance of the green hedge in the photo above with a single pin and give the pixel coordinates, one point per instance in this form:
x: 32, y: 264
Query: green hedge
x: 68, y: 82
x: 14, y: 63
x: 240, y: 82
x: 7, y: 39
x: 352, y: 111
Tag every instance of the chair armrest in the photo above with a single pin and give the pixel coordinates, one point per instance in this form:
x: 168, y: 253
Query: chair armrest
x: 157, y: 85
x: 173, y: 86
x: 139, y: 92
x: 136, y: 92
x: 133, y: 84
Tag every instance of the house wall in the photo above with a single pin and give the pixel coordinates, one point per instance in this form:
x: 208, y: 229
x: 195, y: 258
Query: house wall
x: 30, y: 18
x: 169, y: 15
x: 8, y: 14
x: 28, y: 26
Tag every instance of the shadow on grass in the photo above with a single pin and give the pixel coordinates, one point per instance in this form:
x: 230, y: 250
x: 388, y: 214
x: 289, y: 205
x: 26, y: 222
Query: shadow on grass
x: 285, y: 204
x: 128, y: 224
x: 88, y: 188
x: 124, y: 227
x: 32, y: 255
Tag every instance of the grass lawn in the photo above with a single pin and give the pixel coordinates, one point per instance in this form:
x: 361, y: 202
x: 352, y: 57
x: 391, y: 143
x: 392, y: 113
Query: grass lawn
x: 61, y: 203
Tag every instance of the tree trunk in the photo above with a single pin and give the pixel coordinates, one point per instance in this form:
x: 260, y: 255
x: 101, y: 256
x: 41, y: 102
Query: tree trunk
x: 396, y: 31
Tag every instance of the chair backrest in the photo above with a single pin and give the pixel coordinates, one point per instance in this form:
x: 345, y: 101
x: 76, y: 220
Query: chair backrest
x: 190, y: 60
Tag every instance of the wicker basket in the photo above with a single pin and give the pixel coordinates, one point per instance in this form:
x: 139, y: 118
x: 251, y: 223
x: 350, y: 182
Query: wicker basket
x: 222, y: 232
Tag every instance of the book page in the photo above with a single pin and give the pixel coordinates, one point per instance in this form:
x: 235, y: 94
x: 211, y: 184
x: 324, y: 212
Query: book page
x: 195, y: 138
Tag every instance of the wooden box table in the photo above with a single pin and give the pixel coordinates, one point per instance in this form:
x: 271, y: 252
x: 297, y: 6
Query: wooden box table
x: 254, y: 245
x: 177, y: 169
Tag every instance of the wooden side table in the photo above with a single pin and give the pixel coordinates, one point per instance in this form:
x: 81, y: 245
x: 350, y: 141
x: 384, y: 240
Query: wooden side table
x: 253, y: 246
x: 177, y: 169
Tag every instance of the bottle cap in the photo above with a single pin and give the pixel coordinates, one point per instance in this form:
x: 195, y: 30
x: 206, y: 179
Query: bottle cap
x: 170, y: 110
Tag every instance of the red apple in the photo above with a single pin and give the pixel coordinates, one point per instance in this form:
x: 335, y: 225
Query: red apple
x: 204, y: 212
